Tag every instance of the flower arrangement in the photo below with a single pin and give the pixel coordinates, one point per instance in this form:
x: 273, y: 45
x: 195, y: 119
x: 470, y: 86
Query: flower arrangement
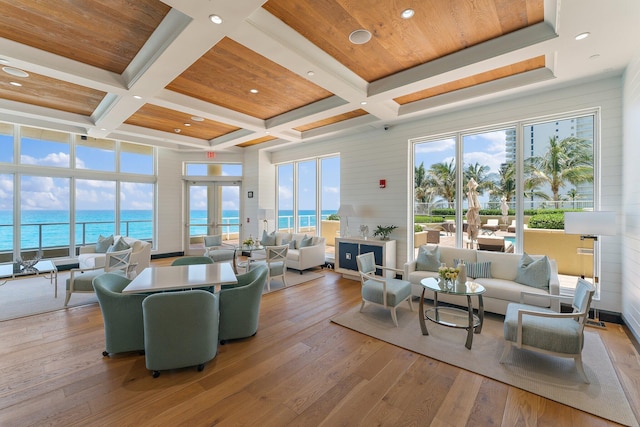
x: 249, y: 242
x: 448, y: 273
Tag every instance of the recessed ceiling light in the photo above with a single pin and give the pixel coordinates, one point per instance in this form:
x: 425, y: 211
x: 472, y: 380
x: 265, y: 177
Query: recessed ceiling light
x: 253, y: 90
x: 310, y: 73
x: 137, y: 96
x: 176, y: 130
x: 187, y: 124
x: 267, y: 132
x: 16, y: 72
x: 15, y: 84
x: 359, y: 36
x: 103, y: 129
x: 582, y: 36
x: 407, y: 13
x: 215, y: 19
x: 197, y: 119
x: 363, y: 103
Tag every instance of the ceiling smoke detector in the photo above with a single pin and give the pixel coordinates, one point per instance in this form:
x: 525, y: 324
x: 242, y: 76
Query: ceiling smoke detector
x: 359, y: 36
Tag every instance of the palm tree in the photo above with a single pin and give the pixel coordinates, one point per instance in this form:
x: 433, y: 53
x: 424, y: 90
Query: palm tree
x: 567, y: 160
x: 573, y: 195
x: 441, y: 181
x: 506, y: 184
x: 480, y: 174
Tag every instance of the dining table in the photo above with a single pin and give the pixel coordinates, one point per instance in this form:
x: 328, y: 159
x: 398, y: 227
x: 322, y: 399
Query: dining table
x: 179, y: 277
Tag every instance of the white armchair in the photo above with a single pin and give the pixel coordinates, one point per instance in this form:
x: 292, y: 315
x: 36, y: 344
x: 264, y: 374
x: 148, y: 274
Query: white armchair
x: 140, y: 255
x: 547, y: 331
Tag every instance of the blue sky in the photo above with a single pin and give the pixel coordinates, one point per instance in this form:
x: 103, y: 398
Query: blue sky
x: 48, y: 193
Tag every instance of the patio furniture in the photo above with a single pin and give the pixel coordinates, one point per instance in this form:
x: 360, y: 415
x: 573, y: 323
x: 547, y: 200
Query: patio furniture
x: 547, y: 331
x: 122, y: 314
x: 180, y: 329
x: 380, y: 290
x: 512, y: 227
x: 492, y: 225
x: 81, y: 279
x: 494, y: 243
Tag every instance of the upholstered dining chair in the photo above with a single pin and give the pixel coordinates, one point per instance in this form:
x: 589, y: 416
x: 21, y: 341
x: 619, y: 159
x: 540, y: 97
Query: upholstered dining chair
x: 380, y: 290
x: 122, y: 314
x: 276, y: 260
x: 81, y: 279
x: 180, y: 329
x: 192, y: 260
x: 240, y: 305
x: 543, y: 330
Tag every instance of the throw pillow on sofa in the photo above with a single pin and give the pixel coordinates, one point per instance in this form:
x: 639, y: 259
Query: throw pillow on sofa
x: 103, y: 244
x: 118, y: 245
x: 476, y: 270
x: 306, y: 241
x: 268, y: 239
x: 428, y: 259
x: 292, y: 244
x: 533, y: 272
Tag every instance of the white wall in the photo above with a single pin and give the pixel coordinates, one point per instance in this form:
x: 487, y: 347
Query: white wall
x: 631, y: 199
x: 376, y: 154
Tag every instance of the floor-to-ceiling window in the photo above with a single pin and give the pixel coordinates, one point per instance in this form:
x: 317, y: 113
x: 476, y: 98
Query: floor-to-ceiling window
x: 527, y: 175
x: 308, y: 192
x: 64, y: 190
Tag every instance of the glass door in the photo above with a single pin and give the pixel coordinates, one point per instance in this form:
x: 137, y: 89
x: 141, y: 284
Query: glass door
x: 212, y: 208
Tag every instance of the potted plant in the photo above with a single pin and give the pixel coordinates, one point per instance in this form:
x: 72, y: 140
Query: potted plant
x: 384, y: 232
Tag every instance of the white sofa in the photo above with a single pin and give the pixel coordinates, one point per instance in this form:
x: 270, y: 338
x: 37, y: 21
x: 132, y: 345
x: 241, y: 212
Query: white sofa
x: 501, y: 288
x: 140, y: 254
x: 306, y: 257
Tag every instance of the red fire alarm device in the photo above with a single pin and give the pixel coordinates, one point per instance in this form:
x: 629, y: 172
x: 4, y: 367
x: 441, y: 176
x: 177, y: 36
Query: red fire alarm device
x: 383, y: 183
x: 210, y: 154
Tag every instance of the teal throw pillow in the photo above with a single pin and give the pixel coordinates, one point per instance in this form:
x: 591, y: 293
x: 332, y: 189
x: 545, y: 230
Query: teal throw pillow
x: 292, y: 244
x: 428, y: 259
x: 103, y: 244
x: 119, y: 245
x: 268, y: 239
x: 476, y: 270
x: 210, y: 241
x: 306, y: 241
x: 534, y: 272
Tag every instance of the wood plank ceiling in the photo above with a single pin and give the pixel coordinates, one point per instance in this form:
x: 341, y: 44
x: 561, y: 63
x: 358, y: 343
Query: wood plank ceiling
x: 88, y: 59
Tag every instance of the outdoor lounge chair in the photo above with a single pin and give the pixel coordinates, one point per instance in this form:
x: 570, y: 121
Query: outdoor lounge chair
x: 492, y: 224
x: 493, y: 243
x: 512, y: 227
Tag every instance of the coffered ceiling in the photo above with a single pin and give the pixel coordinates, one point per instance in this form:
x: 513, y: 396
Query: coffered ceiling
x: 285, y: 71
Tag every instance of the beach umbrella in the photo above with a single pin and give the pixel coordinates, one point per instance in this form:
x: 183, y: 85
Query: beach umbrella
x: 473, y: 212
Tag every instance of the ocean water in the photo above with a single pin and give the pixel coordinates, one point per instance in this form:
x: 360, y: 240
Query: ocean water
x: 44, y: 229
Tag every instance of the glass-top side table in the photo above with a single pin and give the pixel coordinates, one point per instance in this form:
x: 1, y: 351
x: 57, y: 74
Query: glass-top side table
x: 450, y: 316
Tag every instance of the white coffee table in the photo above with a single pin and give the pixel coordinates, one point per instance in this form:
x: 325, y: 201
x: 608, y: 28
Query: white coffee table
x: 176, y: 277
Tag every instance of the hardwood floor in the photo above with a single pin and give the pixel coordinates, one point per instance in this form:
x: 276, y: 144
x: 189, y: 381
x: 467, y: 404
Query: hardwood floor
x: 300, y: 369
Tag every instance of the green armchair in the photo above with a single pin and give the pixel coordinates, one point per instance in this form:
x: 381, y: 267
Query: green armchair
x: 180, y: 329
x: 122, y: 314
x: 240, y: 305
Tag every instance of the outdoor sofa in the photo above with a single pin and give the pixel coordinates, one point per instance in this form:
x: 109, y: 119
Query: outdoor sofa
x: 501, y: 270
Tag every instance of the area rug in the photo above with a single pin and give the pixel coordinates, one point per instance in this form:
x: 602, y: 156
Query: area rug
x: 550, y: 377
x: 35, y: 295
x: 292, y: 278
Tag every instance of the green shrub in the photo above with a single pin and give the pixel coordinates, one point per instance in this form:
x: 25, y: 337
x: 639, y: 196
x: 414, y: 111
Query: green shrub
x: 333, y: 217
x: 417, y: 228
x: 443, y: 212
x: 550, y: 221
x: 425, y: 219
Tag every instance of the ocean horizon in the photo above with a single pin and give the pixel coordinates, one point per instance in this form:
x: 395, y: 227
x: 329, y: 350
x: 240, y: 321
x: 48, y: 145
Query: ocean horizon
x: 53, y: 225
